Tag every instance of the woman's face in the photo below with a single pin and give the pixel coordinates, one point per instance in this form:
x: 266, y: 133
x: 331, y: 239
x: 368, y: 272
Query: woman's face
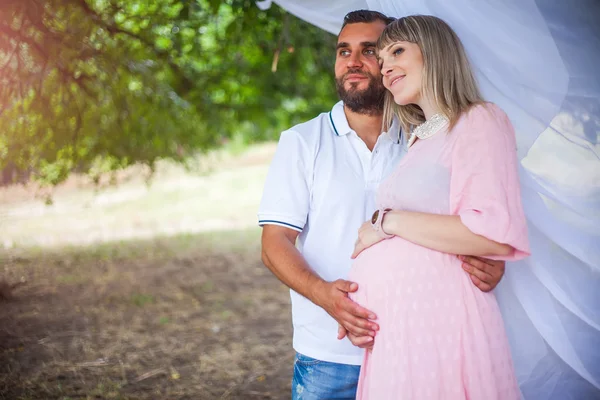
x: 402, y: 70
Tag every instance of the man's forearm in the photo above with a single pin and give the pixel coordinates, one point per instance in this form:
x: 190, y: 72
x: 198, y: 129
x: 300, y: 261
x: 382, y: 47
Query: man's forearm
x: 289, y: 266
x: 282, y: 257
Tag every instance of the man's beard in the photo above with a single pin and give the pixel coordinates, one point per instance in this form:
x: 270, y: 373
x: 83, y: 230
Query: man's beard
x: 368, y: 101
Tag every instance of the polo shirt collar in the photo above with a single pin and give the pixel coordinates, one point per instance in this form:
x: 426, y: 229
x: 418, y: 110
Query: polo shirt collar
x: 394, y: 133
x: 339, y: 123
x: 338, y: 120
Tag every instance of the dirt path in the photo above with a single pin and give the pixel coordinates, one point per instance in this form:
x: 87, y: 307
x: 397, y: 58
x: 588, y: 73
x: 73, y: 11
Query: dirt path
x: 183, y: 317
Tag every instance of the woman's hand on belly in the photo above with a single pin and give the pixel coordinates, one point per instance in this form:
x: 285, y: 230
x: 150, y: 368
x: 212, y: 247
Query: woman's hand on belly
x: 367, y: 237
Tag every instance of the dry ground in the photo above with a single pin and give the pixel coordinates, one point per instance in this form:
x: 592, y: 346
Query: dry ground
x: 186, y: 317
x: 172, y: 315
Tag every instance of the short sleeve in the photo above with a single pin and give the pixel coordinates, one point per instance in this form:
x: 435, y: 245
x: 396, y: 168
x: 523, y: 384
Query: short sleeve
x: 484, y: 184
x: 286, y: 196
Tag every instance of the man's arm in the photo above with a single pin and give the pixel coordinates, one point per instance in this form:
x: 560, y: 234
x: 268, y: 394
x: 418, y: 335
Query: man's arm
x: 281, y: 256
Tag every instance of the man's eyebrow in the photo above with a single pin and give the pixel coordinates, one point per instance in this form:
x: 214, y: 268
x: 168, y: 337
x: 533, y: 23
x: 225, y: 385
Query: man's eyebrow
x: 363, y: 44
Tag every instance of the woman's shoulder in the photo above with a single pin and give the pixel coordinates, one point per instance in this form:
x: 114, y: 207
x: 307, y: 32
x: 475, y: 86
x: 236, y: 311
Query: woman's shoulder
x: 484, y: 112
x: 482, y: 116
x: 484, y: 126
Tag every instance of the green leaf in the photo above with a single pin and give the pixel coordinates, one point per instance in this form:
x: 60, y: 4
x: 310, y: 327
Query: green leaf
x: 104, y: 84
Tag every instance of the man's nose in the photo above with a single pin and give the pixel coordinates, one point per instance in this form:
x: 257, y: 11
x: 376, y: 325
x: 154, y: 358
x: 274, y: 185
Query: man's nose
x: 354, y: 61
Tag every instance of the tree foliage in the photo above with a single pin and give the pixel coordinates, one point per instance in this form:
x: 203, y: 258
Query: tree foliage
x: 96, y: 85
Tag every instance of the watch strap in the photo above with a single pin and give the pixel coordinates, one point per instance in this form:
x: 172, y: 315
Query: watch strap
x: 377, y: 221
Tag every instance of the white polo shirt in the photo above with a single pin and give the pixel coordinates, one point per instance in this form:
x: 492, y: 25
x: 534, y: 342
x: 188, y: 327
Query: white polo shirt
x: 322, y: 182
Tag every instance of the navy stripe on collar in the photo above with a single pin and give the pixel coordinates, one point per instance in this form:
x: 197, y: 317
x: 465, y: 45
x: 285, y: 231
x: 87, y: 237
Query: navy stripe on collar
x: 333, y: 124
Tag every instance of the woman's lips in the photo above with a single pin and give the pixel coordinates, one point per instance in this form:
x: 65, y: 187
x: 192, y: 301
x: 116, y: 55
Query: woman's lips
x: 395, y: 80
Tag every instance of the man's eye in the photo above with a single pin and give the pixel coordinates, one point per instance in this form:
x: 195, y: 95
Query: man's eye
x: 344, y: 52
x: 370, y: 52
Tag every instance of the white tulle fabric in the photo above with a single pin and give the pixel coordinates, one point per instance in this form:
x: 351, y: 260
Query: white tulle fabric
x: 540, y: 62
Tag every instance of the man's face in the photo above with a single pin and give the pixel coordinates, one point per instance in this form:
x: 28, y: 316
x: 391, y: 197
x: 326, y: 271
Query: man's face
x: 357, y: 72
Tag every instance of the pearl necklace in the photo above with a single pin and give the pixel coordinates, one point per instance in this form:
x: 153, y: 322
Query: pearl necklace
x: 428, y: 128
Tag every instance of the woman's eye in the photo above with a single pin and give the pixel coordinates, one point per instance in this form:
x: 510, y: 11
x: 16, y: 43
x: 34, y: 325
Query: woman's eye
x: 398, y: 51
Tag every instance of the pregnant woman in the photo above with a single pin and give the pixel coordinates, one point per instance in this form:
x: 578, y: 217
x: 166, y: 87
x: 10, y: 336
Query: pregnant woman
x: 455, y: 192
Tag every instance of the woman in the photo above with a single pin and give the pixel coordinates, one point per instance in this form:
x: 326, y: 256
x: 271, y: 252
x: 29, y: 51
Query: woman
x: 440, y: 337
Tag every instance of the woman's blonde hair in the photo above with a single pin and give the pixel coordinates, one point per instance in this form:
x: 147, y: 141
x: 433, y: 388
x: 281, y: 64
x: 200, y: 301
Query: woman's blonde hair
x: 447, y: 75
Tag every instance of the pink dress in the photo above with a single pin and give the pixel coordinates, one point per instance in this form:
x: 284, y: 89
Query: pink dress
x: 441, y: 337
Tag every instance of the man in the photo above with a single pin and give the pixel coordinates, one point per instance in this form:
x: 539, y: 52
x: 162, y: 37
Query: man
x: 320, y: 188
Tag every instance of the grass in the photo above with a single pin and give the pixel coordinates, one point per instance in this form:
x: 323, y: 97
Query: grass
x: 141, y: 299
x: 144, y: 293
x: 177, y: 201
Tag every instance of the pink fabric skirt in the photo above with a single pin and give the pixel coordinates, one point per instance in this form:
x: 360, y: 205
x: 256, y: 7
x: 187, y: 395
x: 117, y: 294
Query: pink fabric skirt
x: 440, y: 337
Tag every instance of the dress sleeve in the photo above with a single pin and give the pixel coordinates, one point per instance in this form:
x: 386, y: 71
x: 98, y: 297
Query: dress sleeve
x: 484, y: 183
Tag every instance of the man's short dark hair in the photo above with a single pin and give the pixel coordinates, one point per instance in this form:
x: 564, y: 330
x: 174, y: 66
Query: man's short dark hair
x: 366, y: 16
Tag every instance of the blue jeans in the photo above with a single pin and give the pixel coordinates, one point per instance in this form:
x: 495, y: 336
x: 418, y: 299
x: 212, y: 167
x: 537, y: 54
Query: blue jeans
x: 320, y: 380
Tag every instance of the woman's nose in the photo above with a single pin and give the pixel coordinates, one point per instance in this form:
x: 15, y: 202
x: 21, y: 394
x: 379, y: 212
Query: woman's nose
x: 386, y: 69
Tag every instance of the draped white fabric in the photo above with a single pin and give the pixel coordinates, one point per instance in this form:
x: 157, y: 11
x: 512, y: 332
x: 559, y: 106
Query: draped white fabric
x: 540, y: 61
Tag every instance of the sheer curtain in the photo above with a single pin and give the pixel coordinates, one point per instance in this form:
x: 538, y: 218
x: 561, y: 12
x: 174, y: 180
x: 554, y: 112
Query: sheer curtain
x: 540, y: 61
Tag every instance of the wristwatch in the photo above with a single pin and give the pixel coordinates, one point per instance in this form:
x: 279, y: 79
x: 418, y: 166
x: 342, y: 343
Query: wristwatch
x: 377, y: 220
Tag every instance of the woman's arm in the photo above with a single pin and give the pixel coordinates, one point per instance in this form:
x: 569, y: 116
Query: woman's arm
x: 445, y: 233
x: 486, y: 216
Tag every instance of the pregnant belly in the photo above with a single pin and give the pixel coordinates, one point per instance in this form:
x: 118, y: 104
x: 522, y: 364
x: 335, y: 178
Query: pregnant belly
x: 396, y: 272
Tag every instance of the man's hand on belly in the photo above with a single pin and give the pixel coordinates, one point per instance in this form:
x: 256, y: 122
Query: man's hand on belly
x: 333, y: 298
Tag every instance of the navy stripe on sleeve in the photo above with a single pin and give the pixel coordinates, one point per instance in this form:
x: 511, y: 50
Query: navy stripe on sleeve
x: 268, y: 221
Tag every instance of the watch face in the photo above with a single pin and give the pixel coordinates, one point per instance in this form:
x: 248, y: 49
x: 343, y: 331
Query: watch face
x: 374, y: 217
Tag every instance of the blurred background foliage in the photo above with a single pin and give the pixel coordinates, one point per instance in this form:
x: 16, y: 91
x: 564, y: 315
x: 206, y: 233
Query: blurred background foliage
x: 92, y: 86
